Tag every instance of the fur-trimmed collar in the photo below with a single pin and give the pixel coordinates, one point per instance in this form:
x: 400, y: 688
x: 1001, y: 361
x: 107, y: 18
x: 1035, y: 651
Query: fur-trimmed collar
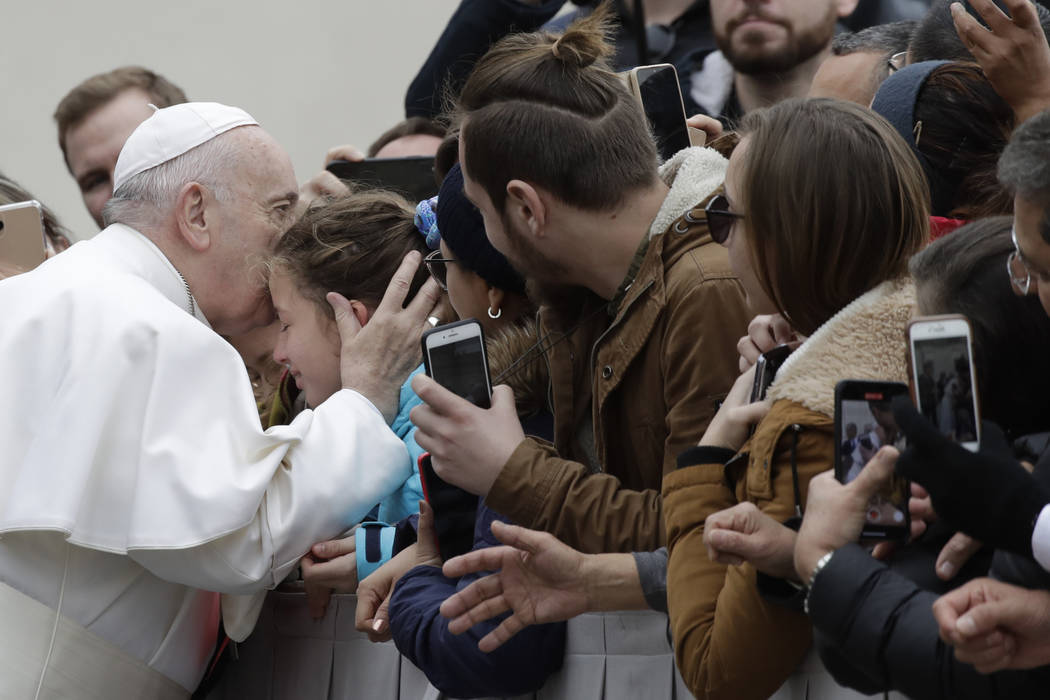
x: 865, y: 340
x: 692, y: 174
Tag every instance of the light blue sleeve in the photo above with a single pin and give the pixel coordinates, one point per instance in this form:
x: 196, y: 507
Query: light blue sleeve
x: 405, y: 500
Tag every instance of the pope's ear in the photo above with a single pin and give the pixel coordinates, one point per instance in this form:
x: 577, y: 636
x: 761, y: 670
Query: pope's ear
x: 360, y: 311
x: 194, y: 208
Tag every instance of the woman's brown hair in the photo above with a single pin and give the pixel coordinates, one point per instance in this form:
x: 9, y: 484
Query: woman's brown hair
x: 835, y: 201
x: 352, y: 245
x: 549, y: 110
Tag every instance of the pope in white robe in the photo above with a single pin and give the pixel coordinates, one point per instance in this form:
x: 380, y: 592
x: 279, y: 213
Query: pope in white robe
x: 136, y: 482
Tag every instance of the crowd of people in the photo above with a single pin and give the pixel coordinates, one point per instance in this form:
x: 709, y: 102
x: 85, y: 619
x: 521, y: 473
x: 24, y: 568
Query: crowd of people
x: 223, y: 391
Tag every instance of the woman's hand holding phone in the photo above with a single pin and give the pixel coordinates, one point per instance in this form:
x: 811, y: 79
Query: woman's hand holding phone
x: 729, y: 428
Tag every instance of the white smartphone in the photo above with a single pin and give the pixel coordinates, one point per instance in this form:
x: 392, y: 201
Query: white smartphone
x: 940, y: 352
x: 454, y: 356
x: 22, y: 241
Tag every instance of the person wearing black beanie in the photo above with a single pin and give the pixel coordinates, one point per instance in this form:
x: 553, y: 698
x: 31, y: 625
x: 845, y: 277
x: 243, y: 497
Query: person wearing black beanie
x: 480, y: 282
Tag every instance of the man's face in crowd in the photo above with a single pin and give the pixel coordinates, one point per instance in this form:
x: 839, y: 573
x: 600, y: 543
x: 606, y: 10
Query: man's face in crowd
x: 773, y: 36
x: 1029, y: 218
x: 259, y: 208
x: 511, y: 237
x: 93, y: 145
x: 851, y: 77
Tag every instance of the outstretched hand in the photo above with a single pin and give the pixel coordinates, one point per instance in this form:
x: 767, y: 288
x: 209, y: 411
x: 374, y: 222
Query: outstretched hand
x: 1012, y: 52
x: 537, y: 577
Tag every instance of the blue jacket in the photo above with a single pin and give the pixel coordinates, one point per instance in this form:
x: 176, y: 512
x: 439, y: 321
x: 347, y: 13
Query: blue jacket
x: 453, y: 663
x: 405, y: 501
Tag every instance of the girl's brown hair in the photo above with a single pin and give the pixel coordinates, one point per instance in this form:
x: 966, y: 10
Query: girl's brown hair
x: 549, y: 110
x: 835, y: 201
x: 352, y: 245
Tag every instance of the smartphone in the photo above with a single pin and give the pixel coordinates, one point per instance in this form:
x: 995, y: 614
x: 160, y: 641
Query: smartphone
x: 940, y: 354
x: 454, y: 356
x: 864, y: 422
x: 658, y: 90
x: 766, y: 370
x: 22, y: 241
x: 455, y: 511
x: 411, y: 176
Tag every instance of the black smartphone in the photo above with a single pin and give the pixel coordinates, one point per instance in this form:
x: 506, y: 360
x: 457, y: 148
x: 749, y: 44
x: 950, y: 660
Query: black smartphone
x: 864, y: 422
x: 411, y: 176
x: 454, y: 356
x: 766, y: 370
x: 660, y: 93
x: 454, y: 511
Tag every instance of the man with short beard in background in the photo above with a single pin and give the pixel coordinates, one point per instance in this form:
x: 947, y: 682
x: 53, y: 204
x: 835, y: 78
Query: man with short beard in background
x: 768, y: 51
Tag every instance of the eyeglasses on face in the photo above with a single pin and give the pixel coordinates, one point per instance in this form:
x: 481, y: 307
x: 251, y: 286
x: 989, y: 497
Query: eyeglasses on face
x: 895, y: 62
x: 720, y: 219
x: 437, y: 266
x: 1018, y: 270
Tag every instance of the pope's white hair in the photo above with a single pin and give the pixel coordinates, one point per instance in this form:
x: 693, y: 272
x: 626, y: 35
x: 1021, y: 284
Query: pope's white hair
x: 143, y: 200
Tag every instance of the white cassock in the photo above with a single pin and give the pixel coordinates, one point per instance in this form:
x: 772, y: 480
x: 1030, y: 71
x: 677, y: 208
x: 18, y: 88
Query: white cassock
x: 135, y: 479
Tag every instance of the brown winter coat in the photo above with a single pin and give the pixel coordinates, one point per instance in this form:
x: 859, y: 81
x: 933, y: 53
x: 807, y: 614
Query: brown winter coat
x: 730, y: 642
x: 646, y: 382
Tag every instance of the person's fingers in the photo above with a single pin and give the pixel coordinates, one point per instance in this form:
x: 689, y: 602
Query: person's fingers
x: 368, y: 601
x: 397, y: 289
x: 334, y: 548
x: 440, y: 400
x: 875, y: 474
x: 499, y: 636
x: 917, y: 491
x: 380, y: 628
x: 340, y: 572
x: 424, y: 302
x: 783, y: 333
x: 994, y: 17
x: 955, y: 554
x: 327, y: 184
x: 884, y: 550
x: 488, y: 559
x: 752, y: 413
x: 343, y: 152
x: 425, y: 535
x: 483, y: 603
x: 918, y: 528
x: 921, y: 509
x: 531, y: 541
x: 988, y: 653
x: 473, y: 595
x: 946, y: 611
x: 345, y: 320
x: 973, y: 36
x: 707, y: 124
x: 728, y: 546
x: 762, y: 333
x: 503, y: 399
x: 1024, y: 15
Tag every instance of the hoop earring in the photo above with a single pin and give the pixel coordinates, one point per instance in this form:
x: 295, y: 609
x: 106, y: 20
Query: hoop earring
x: 499, y: 312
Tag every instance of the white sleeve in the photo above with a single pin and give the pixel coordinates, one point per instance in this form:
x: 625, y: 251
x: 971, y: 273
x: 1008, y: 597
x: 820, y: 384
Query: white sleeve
x: 345, y: 461
x: 1041, y: 538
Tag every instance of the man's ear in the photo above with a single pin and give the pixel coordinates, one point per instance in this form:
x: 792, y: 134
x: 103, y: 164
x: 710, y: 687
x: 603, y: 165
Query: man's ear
x: 525, y: 204
x: 360, y: 311
x: 194, y: 209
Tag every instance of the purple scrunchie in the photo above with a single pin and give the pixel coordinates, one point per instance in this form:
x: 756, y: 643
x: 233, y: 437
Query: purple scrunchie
x: 426, y: 222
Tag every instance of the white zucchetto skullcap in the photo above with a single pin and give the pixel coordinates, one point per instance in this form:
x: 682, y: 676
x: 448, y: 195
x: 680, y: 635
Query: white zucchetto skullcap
x: 172, y: 131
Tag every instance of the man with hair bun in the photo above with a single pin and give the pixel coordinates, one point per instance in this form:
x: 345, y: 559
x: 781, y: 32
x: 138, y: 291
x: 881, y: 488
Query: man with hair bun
x: 640, y: 311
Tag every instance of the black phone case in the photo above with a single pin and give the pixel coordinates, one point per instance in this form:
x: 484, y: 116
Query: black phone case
x: 870, y: 533
x: 455, y: 511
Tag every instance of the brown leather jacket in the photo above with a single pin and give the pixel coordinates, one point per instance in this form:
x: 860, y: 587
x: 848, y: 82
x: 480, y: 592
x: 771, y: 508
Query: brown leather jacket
x: 640, y: 387
x: 729, y: 641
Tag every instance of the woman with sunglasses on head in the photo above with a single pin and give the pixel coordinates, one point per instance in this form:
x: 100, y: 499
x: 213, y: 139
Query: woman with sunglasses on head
x: 824, y: 204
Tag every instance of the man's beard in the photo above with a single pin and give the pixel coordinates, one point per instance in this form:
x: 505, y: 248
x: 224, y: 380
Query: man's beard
x: 760, y: 61
x: 546, y: 279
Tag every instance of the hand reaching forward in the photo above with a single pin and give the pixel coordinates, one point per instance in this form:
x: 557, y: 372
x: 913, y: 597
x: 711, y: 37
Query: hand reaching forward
x: 537, y: 577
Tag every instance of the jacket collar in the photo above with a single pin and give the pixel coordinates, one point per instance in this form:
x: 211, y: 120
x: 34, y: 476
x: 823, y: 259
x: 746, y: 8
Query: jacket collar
x: 693, y: 174
x: 865, y: 340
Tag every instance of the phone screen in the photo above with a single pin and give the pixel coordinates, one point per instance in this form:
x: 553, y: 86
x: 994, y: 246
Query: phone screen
x: 865, y: 424
x: 661, y: 98
x: 944, y: 386
x: 459, y: 366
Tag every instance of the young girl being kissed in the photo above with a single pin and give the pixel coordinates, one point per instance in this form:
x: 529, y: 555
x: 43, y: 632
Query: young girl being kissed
x: 352, y: 245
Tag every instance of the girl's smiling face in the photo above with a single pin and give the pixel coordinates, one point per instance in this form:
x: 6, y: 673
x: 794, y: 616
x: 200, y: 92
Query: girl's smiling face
x: 308, y: 342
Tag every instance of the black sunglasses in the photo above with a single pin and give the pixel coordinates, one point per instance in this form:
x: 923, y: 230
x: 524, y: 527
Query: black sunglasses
x: 437, y: 266
x: 719, y: 219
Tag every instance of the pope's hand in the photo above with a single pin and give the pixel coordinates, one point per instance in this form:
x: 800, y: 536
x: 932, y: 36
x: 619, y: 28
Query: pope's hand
x: 468, y: 445
x: 377, y: 358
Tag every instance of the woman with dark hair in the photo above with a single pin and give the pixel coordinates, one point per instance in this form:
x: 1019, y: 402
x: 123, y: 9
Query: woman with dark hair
x: 957, y: 126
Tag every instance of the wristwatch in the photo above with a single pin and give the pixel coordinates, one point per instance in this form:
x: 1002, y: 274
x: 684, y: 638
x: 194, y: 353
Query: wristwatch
x: 821, y: 563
